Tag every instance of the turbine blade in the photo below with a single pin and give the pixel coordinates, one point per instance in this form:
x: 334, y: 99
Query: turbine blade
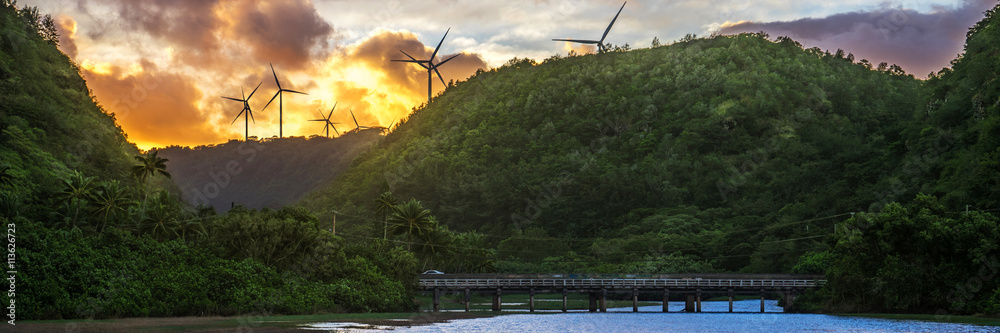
x: 355, y: 119
x: 251, y: 115
x: 335, y: 129
x: 230, y: 98
x: 275, y: 76
x: 317, y: 119
x: 581, y: 41
x: 331, y: 111
x: 439, y: 76
x: 439, y: 45
x: 237, y: 117
x: 272, y: 99
x: 606, y: 31
x: 254, y: 90
x: 293, y: 91
x: 442, y: 63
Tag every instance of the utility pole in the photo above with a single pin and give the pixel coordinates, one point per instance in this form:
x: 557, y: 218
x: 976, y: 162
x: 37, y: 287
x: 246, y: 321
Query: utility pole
x: 334, y: 230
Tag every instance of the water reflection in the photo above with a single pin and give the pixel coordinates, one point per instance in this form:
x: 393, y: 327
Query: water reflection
x: 715, y: 318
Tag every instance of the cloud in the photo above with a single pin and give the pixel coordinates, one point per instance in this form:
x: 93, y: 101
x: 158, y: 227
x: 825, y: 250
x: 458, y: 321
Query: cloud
x: 919, y: 42
x: 363, y: 77
x: 155, y: 107
x: 67, y: 36
x: 286, y: 32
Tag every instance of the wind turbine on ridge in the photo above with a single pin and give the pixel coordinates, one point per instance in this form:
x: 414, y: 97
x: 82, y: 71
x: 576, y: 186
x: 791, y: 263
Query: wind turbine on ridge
x: 278, y: 95
x: 328, y: 124
x: 600, y: 43
x: 246, y: 112
x: 430, y: 66
x: 357, y: 128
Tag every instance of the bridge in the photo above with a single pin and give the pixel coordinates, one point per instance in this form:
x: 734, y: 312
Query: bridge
x: 692, y: 287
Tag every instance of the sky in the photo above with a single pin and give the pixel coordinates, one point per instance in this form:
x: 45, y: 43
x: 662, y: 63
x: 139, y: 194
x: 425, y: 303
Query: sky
x: 163, y: 66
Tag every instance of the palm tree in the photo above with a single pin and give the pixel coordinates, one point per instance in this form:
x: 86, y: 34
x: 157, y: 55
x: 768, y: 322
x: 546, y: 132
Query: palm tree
x: 410, y: 218
x: 6, y: 178
x: 158, y: 218
x: 111, y: 200
x: 149, y: 166
x: 383, y: 207
x: 77, y: 192
x: 435, y: 242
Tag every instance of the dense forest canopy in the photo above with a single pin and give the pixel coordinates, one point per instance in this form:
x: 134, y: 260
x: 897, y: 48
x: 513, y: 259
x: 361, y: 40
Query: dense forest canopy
x: 712, y: 148
x: 723, y: 154
x: 100, y: 230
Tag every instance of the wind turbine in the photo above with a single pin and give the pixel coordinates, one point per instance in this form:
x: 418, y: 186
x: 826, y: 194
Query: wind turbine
x: 429, y: 65
x: 278, y: 95
x: 246, y: 109
x: 600, y: 43
x: 328, y: 123
x: 357, y: 128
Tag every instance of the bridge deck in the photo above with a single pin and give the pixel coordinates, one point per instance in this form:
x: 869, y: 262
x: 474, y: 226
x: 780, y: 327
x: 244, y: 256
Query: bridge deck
x: 429, y: 283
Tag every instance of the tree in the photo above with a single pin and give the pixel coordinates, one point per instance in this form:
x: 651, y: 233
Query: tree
x: 6, y: 178
x: 111, y: 200
x: 410, y: 218
x: 149, y: 166
x: 76, y: 194
x: 383, y: 207
x: 159, y: 218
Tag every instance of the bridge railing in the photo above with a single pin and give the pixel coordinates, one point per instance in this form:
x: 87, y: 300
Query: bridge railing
x: 604, y: 283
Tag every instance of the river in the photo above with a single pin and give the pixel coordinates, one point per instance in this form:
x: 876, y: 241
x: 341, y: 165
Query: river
x: 714, y: 318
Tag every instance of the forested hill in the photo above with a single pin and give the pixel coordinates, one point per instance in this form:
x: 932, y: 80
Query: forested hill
x: 270, y: 173
x: 709, y: 141
x: 50, y: 123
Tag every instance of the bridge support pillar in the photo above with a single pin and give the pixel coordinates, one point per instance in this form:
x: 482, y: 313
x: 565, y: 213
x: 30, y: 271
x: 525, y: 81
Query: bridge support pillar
x: 666, y: 300
x: 698, y: 296
x: 730, y: 300
x: 466, y: 300
x: 789, y: 301
x: 497, y: 300
x: 531, y: 300
x: 762, y: 300
x: 593, y: 302
x: 437, y: 300
x: 603, y: 300
x: 689, y: 303
x: 635, y: 300
x: 565, y: 300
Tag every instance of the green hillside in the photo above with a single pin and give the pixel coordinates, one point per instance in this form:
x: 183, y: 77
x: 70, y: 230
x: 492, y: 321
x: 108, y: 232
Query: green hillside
x: 50, y: 124
x: 715, y: 148
x: 91, y: 233
x: 271, y: 173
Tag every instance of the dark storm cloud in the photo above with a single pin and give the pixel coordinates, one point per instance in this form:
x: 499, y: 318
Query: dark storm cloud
x: 919, y: 42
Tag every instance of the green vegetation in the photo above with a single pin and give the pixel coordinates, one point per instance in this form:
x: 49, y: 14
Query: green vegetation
x: 722, y: 154
x: 101, y: 233
x: 732, y: 153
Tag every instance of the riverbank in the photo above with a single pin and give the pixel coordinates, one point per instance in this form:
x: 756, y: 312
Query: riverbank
x: 268, y: 324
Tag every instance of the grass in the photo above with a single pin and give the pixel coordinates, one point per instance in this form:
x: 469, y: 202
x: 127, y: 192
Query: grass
x: 974, y: 320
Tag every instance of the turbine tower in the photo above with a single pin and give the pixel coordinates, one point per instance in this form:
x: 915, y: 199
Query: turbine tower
x: 600, y: 43
x: 328, y: 124
x: 430, y: 66
x: 246, y: 112
x: 278, y: 95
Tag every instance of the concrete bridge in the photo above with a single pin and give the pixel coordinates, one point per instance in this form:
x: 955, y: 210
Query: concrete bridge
x: 692, y: 286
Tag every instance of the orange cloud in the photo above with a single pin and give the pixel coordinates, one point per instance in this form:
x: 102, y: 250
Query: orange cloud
x: 67, y: 36
x: 155, y: 108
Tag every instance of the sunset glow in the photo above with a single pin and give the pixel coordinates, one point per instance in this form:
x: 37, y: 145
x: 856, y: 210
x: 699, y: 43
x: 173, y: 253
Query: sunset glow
x: 162, y: 67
